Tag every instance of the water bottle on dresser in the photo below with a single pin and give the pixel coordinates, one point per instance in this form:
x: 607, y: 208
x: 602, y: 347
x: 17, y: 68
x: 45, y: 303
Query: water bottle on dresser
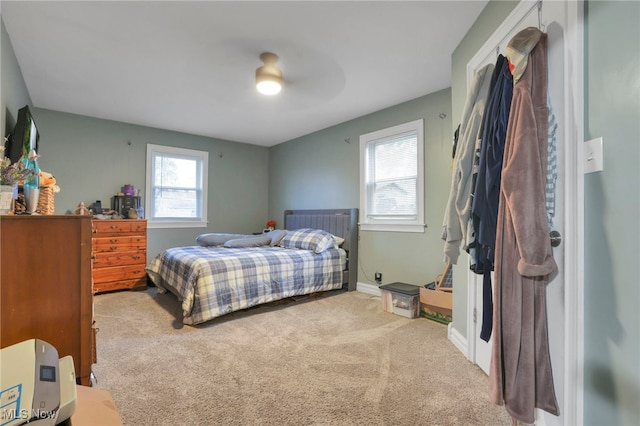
x: 32, y: 183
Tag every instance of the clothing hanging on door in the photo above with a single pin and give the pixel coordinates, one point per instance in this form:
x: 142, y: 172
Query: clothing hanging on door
x: 458, y: 208
x: 484, y: 210
x: 520, y: 375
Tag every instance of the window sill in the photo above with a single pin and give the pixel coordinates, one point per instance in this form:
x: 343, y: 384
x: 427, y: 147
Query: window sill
x: 176, y: 224
x: 391, y: 227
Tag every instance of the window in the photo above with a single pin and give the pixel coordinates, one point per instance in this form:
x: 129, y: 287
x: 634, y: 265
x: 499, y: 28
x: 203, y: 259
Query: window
x: 392, y: 179
x: 176, y: 195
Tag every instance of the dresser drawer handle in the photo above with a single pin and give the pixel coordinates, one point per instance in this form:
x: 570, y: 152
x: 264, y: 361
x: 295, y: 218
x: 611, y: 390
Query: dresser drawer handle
x: 113, y: 247
x: 114, y: 241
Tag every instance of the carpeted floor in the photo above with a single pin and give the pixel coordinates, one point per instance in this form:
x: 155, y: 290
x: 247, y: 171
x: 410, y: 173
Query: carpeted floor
x: 326, y: 360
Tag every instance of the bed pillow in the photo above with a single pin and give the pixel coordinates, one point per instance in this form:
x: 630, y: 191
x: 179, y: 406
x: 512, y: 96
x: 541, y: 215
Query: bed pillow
x: 257, y: 241
x: 216, y: 239
x: 315, y: 240
x: 276, y: 236
x: 339, y: 240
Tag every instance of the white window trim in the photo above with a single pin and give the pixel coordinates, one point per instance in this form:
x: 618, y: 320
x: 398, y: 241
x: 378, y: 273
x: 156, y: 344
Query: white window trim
x: 390, y: 225
x: 178, y: 223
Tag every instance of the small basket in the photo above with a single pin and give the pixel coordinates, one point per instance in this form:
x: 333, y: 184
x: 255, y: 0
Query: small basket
x: 46, y: 202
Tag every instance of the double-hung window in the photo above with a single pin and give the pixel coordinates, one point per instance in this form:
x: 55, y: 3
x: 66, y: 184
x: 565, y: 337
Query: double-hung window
x: 176, y: 190
x: 392, y: 179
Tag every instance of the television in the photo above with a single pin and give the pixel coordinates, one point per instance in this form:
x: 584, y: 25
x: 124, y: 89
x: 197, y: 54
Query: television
x: 24, y: 138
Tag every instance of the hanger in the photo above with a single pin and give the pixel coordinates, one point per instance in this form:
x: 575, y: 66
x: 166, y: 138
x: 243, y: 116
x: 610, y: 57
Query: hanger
x: 540, y: 24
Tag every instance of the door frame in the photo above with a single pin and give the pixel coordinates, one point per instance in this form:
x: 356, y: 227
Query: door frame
x: 573, y: 241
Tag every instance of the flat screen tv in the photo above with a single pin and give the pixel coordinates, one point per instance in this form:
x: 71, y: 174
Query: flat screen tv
x: 24, y: 138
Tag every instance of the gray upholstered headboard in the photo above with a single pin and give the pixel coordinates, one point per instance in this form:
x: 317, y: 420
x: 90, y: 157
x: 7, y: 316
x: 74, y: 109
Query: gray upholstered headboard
x: 340, y: 222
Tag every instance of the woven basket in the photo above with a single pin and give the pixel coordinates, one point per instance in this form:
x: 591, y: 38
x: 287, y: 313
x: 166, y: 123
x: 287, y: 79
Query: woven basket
x: 46, y: 202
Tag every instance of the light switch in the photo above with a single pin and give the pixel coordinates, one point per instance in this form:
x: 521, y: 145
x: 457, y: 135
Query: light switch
x: 593, y: 156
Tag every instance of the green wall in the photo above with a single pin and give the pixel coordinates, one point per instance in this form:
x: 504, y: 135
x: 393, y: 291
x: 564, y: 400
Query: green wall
x: 612, y: 215
x: 93, y: 158
x: 321, y: 170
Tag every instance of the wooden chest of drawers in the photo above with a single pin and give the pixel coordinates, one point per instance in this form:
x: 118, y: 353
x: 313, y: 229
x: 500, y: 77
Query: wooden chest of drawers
x: 45, y: 271
x: 119, y: 252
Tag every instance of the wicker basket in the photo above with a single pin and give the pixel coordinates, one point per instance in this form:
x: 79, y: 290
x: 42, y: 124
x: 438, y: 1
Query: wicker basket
x: 46, y: 202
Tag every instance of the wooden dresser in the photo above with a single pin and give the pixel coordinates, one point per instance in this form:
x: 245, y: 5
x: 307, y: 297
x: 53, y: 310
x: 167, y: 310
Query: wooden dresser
x: 45, y: 285
x: 119, y: 254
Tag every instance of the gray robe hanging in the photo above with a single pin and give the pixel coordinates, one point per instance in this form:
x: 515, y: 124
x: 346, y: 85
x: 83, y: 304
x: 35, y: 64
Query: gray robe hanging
x: 520, y: 375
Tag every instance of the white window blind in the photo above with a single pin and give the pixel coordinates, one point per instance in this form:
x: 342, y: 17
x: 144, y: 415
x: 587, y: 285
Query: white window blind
x: 392, y: 178
x: 176, y: 187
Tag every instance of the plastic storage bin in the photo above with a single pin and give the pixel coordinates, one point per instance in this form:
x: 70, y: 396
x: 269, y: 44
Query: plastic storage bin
x: 401, y: 299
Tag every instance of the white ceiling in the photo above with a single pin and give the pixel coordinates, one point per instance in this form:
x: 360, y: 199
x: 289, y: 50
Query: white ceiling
x: 189, y: 66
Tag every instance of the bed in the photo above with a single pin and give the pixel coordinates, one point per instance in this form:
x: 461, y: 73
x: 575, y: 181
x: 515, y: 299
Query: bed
x: 317, y: 253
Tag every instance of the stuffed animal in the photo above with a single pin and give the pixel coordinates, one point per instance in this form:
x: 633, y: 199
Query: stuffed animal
x: 47, y: 179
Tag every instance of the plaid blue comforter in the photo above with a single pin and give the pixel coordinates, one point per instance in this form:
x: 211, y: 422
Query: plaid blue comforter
x: 213, y: 281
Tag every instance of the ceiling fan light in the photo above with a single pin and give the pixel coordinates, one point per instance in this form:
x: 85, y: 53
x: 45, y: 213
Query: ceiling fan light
x: 269, y: 76
x: 269, y: 87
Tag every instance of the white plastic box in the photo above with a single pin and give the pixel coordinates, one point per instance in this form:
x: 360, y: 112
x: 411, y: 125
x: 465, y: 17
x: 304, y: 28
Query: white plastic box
x: 401, y: 299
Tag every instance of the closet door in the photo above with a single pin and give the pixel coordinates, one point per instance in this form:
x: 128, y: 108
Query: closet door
x: 564, y: 297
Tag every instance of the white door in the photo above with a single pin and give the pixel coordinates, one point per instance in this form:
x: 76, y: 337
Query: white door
x: 557, y: 19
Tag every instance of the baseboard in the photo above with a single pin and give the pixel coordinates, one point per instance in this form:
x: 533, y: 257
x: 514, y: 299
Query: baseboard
x: 458, y: 340
x: 368, y: 288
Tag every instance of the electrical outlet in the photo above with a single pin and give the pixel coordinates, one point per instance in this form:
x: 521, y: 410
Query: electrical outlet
x: 378, y: 277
